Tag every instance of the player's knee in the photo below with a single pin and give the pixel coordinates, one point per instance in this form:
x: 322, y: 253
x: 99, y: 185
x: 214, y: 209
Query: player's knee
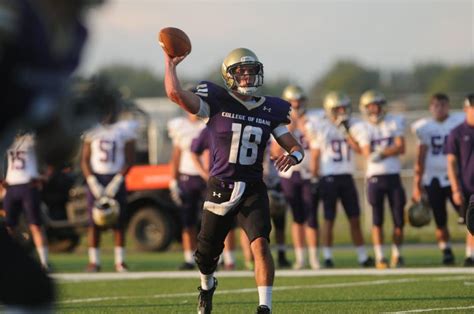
x: 207, y: 256
x: 260, y: 248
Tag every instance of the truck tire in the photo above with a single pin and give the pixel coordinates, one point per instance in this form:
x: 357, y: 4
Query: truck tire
x: 151, y: 229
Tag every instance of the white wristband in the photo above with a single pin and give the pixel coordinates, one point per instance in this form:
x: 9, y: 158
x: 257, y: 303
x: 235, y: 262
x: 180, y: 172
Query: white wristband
x: 298, y: 156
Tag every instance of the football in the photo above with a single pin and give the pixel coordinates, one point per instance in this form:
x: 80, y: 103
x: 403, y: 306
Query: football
x: 174, y: 42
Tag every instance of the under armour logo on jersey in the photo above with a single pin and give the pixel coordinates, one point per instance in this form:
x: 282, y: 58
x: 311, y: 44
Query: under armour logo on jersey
x: 214, y: 193
x: 267, y: 109
x: 202, y: 90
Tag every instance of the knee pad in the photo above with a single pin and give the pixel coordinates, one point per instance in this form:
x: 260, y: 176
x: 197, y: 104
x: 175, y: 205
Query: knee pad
x: 207, y: 256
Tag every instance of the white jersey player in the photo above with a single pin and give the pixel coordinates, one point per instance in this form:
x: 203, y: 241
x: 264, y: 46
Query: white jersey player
x: 297, y: 186
x: 23, y: 187
x: 187, y: 186
x: 107, y: 155
x: 381, y: 140
x: 332, y: 158
x: 431, y: 176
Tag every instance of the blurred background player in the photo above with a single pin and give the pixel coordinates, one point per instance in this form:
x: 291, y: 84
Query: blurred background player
x: 107, y: 154
x: 431, y: 177
x: 202, y: 161
x: 460, y: 148
x: 187, y: 187
x: 240, y: 125
x: 333, y: 161
x: 23, y: 193
x: 48, y: 61
x: 381, y: 140
x: 278, y: 208
x: 297, y: 186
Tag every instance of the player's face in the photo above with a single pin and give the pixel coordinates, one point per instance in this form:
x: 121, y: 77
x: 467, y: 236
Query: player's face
x: 469, y: 110
x: 246, y: 75
x: 439, y: 109
x: 374, y: 109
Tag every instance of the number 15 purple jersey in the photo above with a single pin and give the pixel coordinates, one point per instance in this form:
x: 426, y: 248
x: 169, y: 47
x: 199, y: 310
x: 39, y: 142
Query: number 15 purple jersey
x: 239, y: 131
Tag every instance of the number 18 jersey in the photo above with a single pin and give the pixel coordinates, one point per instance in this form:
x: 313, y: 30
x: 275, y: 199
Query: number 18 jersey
x: 108, y: 147
x: 239, y: 131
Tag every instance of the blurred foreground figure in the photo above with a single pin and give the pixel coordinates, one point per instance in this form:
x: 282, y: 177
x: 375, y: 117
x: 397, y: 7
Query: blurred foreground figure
x: 40, y: 45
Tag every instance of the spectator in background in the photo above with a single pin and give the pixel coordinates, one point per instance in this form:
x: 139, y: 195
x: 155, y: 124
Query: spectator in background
x: 431, y: 177
x: 460, y: 148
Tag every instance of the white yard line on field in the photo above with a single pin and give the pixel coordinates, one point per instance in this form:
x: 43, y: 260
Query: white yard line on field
x: 457, y: 308
x: 246, y: 290
x: 80, y: 277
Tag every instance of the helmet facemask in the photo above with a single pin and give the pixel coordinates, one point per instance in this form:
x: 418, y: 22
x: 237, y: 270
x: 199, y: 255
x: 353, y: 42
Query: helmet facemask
x: 375, y: 117
x: 252, y: 71
x: 338, y: 117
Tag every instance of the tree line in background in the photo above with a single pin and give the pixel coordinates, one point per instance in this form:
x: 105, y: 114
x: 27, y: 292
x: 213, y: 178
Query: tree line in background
x: 347, y: 75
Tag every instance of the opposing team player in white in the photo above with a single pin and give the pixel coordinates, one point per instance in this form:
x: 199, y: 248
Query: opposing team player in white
x: 431, y: 176
x: 107, y: 155
x: 382, y: 141
x: 333, y: 163
x: 186, y: 187
x: 297, y: 186
x: 23, y: 192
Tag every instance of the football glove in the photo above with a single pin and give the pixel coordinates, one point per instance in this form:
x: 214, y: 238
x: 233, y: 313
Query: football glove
x: 376, y: 155
x: 314, y: 181
x: 114, y: 185
x: 96, y: 188
x: 175, y: 192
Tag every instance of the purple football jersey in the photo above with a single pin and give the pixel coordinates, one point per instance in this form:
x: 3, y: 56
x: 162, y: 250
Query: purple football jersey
x: 238, y: 136
x: 461, y: 144
x: 201, y: 143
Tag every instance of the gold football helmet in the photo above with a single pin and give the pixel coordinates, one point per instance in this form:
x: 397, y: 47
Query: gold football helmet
x: 235, y: 59
x: 105, y: 212
x: 293, y: 92
x: 419, y: 214
x: 335, y: 100
x: 372, y: 97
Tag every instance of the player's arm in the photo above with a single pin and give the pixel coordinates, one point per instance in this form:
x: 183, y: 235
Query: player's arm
x: 314, y: 162
x: 398, y: 148
x: 294, y: 155
x: 202, y: 169
x: 419, y: 171
x: 129, y: 157
x: 174, y: 162
x: 184, y: 98
x: 85, y: 159
x: 453, y: 175
x: 353, y: 144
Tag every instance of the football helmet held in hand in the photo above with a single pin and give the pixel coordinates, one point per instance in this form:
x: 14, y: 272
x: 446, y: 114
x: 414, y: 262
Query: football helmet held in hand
x: 419, y: 214
x: 105, y: 212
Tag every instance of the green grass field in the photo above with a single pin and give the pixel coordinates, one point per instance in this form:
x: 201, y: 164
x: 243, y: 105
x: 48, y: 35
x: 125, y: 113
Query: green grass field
x: 311, y: 292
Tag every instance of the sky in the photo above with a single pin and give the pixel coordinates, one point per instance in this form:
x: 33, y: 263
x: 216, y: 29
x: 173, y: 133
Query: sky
x: 297, y: 40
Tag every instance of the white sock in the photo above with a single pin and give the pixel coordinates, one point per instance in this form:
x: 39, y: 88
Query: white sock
x: 265, y: 296
x: 300, y: 255
x: 229, y: 258
x: 468, y: 251
x: 188, y: 256
x: 207, y: 281
x: 327, y: 252
x: 361, y: 253
x: 313, y: 257
x: 43, y: 255
x: 94, y: 255
x: 119, y: 255
x: 378, y: 250
x: 396, y: 250
x: 444, y: 245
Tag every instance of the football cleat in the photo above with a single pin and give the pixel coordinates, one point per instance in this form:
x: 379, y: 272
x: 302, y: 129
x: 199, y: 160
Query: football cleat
x: 381, y: 264
x: 328, y: 263
x: 470, y: 216
x: 283, y: 262
x: 397, y: 262
x: 263, y: 309
x: 187, y: 266
x: 369, y: 262
x: 121, y: 268
x: 448, y: 257
x: 205, y: 299
x: 315, y: 265
x: 230, y: 266
x: 299, y: 266
x: 469, y: 262
x: 92, y: 268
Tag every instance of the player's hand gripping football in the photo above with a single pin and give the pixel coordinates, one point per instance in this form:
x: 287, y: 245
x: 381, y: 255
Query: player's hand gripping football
x: 284, y: 162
